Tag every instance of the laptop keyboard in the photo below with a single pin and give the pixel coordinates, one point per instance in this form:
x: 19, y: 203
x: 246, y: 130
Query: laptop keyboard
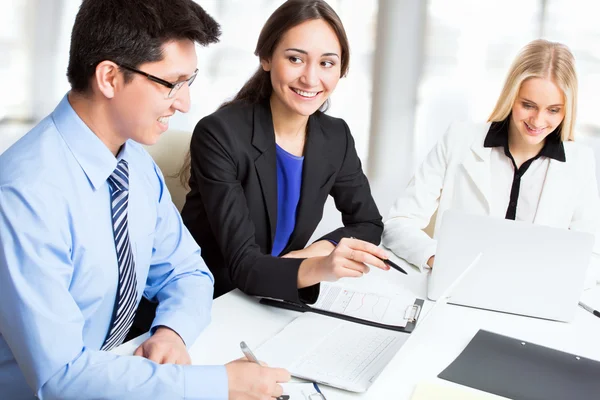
x: 345, y: 356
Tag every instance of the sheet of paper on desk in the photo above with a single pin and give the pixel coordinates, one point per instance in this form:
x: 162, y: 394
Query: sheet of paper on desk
x: 386, y: 309
x: 300, y: 391
x: 435, y: 391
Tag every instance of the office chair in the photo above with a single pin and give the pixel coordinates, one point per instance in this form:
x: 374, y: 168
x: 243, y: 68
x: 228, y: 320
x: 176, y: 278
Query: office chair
x: 169, y: 153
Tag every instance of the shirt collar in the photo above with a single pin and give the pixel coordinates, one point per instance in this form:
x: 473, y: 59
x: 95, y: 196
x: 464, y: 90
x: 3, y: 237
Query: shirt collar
x: 497, y: 136
x: 95, y: 159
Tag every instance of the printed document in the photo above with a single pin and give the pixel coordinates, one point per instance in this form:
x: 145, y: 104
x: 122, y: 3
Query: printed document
x: 389, y: 309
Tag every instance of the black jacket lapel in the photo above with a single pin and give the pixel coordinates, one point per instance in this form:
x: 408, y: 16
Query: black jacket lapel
x: 263, y: 139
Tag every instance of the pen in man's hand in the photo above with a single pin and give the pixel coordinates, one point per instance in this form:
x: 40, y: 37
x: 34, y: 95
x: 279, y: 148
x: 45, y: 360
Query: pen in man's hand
x: 252, y: 358
x: 248, y: 353
x: 590, y: 309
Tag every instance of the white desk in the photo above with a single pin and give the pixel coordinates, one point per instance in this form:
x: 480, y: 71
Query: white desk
x: 237, y: 317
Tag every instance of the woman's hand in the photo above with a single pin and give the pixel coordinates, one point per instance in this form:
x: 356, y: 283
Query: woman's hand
x: 348, y: 259
x: 431, y: 261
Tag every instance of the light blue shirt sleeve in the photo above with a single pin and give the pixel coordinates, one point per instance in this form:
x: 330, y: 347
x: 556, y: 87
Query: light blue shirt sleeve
x: 178, y: 277
x: 36, y: 306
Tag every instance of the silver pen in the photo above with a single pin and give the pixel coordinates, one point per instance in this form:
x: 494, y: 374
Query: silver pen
x: 252, y: 358
x: 248, y: 353
x: 590, y: 309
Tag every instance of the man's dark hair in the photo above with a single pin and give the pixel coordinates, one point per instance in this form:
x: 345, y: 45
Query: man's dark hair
x: 132, y: 32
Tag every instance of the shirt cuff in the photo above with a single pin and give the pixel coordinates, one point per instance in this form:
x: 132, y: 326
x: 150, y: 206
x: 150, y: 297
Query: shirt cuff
x: 206, y: 382
x: 187, y: 331
x: 427, y: 254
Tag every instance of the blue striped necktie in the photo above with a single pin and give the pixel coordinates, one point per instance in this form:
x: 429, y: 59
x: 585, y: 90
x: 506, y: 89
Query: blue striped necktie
x: 125, y: 302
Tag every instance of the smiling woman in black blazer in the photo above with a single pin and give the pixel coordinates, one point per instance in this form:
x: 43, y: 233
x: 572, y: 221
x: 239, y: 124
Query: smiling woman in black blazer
x: 263, y: 165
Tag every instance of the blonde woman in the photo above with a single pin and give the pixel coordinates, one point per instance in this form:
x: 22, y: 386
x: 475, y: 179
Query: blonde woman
x: 522, y: 164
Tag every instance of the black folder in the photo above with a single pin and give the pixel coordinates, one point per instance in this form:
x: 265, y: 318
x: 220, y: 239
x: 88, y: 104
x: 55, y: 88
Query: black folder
x: 521, y: 370
x: 412, y: 314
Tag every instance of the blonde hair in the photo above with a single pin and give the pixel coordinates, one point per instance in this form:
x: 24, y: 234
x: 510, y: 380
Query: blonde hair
x: 547, y: 60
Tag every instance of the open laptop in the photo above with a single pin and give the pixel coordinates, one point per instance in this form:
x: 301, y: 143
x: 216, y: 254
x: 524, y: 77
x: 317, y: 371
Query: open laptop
x: 524, y: 269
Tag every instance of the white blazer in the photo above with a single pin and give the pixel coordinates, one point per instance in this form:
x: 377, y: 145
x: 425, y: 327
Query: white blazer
x: 456, y: 175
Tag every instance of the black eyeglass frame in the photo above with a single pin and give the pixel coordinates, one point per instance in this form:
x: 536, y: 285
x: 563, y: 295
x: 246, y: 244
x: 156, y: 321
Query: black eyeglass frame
x: 173, y: 86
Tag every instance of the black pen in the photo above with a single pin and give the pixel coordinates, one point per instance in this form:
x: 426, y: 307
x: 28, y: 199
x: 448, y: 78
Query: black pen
x: 393, y: 265
x: 590, y: 309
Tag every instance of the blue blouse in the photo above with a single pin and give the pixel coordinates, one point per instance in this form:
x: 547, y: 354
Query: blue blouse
x: 289, y: 183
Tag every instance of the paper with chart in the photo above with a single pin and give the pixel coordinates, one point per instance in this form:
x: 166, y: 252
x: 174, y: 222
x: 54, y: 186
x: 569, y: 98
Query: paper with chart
x: 389, y: 309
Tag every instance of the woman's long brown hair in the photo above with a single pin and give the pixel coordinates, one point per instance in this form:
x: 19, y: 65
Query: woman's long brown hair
x: 288, y: 15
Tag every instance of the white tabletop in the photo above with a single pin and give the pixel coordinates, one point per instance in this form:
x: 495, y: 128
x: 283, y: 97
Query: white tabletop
x: 431, y: 348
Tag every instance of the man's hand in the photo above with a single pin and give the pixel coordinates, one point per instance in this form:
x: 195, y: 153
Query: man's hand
x: 164, y: 347
x: 319, y: 248
x: 248, y: 380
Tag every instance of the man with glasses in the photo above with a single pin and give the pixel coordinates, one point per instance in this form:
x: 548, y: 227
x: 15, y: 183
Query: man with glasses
x: 174, y: 87
x: 87, y: 224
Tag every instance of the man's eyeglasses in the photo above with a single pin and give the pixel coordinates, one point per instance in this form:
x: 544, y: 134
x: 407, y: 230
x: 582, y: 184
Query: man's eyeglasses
x: 173, y: 86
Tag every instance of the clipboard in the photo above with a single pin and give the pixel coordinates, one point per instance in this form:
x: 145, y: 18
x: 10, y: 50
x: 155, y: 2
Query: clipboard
x: 520, y: 370
x: 335, y: 351
x: 411, y: 314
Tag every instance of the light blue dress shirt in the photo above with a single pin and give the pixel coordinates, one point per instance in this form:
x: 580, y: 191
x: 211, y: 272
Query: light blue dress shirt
x: 59, y: 271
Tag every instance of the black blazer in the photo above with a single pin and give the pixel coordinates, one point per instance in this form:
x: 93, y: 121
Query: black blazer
x: 231, y: 209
